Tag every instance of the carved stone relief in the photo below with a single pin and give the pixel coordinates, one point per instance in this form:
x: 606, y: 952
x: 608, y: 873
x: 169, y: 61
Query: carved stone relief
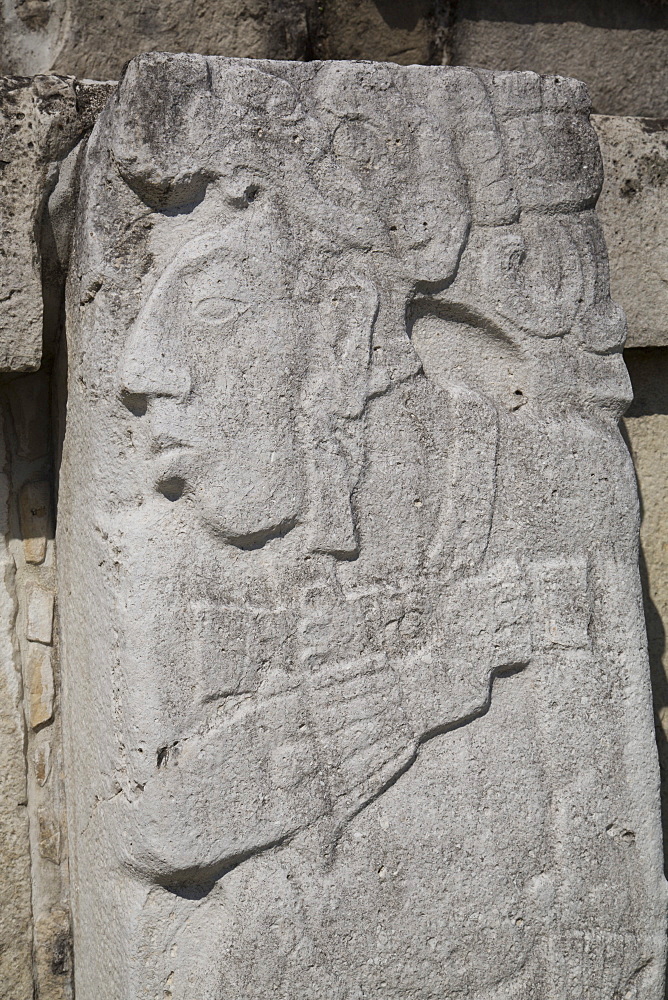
x: 352, y: 637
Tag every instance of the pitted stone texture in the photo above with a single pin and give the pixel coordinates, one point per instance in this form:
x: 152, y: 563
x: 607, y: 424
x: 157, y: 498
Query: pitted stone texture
x: 352, y: 638
x: 41, y: 120
x: 95, y: 42
x: 618, y: 47
x: 633, y: 209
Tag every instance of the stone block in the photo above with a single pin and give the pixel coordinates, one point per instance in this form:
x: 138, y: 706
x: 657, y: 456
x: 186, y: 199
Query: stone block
x: 28, y: 401
x: 95, y: 42
x: 633, y: 209
x: 40, y: 685
x: 619, y: 49
x: 646, y: 425
x: 354, y: 663
x: 49, y: 835
x: 35, y: 519
x: 42, y: 763
x: 388, y: 30
x: 41, y: 120
x: 39, y: 624
x: 53, y: 954
x: 16, y: 945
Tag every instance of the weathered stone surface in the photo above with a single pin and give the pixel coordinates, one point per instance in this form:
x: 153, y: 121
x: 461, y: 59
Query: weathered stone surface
x: 355, y: 669
x: 41, y: 119
x: 39, y: 626
x: 27, y: 397
x: 53, y: 952
x: 619, y: 48
x: 16, y: 934
x: 386, y: 30
x: 633, y: 209
x: 29, y: 578
x: 35, y: 519
x: 40, y: 685
x: 94, y: 41
x: 646, y: 425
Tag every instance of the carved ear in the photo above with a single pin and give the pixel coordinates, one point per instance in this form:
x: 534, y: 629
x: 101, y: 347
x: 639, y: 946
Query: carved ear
x: 463, y: 534
x: 459, y: 347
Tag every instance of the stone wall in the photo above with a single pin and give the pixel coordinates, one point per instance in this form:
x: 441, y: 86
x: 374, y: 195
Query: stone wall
x: 633, y: 209
x: 619, y: 48
x: 41, y: 121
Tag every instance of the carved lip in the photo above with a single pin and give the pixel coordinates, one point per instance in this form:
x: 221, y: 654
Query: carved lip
x: 162, y: 443
x: 172, y: 462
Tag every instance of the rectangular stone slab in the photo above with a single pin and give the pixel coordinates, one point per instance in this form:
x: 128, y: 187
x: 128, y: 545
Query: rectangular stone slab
x: 41, y: 119
x: 354, y: 660
x: 633, y: 209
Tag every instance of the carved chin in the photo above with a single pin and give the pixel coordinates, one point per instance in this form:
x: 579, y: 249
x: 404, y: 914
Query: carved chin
x: 247, y: 523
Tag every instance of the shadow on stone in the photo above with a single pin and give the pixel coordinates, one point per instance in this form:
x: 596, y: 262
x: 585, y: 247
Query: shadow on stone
x: 403, y: 16
x: 616, y: 14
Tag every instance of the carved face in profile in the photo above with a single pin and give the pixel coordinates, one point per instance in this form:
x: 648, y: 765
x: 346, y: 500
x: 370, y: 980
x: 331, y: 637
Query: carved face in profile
x: 214, y: 359
x: 342, y: 361
x: 322, y: 439
x: 256, y: 388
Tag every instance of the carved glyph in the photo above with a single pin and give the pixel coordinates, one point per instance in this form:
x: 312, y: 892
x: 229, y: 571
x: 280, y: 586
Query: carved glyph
x: 352, y: 637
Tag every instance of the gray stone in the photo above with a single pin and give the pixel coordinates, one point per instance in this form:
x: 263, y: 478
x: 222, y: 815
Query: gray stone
x: 41, y: 120
x: 94, y: 41
x: 354, y: 663
x: 619, y: 48
x: 34, y: 924
x: 389, y: 30
x: 646, y: 425
x: 633, y: 209
x: 32, y: 630
x: 16, y: 933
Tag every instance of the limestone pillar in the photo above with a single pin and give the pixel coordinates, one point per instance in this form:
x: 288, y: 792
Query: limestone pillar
x: 354, y: 666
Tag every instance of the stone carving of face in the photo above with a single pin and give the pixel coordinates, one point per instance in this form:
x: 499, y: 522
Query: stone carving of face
x: 319, y: 454
x: 214, y: 359
x: 351, y: 457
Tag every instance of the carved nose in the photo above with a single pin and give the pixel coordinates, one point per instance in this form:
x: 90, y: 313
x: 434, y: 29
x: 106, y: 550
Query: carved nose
x: 148, y: 371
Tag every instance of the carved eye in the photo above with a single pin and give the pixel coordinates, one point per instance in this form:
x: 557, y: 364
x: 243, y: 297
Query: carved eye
x: 514, y: 252
x: 219, y: 309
